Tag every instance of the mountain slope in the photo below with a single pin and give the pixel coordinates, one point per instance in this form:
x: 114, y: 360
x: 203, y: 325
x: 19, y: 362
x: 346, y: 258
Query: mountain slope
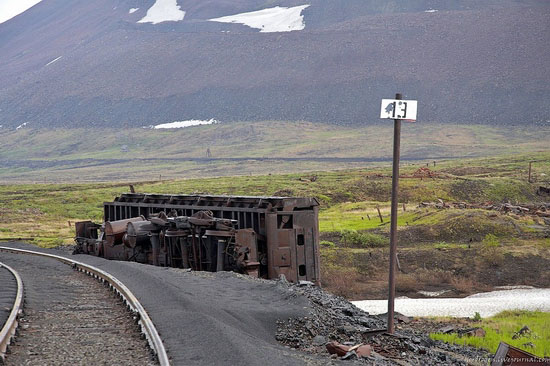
x: 92, y: 64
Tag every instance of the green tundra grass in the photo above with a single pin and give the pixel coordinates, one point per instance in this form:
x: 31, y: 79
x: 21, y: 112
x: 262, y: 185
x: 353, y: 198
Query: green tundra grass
x: 347, y: 197
x: 503, y: 328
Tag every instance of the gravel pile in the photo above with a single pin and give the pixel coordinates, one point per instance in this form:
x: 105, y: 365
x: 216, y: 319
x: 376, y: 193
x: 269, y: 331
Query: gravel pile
x: 333, y: 318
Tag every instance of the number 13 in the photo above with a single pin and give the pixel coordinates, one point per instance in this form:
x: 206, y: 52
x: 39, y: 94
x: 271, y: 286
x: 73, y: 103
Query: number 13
x: 403, y: 106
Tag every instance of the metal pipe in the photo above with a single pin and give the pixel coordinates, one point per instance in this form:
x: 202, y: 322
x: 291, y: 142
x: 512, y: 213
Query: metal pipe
x: 220, y: 260
x: 184, y: 253
x: 194, y: 246
x: 156, y: 247
x: 393, y: 222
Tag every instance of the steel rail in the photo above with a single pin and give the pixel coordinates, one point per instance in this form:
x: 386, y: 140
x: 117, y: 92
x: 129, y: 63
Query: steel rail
x: 9, y: 328
x: 147, y: 326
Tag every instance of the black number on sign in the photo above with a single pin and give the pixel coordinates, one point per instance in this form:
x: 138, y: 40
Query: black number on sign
x: 393, y: 116
x: 403, y: 110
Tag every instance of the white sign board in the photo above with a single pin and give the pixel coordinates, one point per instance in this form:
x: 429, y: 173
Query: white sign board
x: 398, y: 109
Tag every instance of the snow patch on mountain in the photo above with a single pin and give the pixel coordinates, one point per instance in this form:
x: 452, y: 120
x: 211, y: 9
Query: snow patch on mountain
x: 277, y: 19
x: 11, y: 8
x: 132, y: 10
x: 54, y: 60
x: 183, y: 124
x: 21, y: 126
x: 163, y: 11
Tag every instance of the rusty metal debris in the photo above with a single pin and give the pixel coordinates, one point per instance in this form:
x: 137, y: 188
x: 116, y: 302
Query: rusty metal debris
x: 348, y: 352
x: 259, y: 236
x: 507, y: 355
x: 535, y: 209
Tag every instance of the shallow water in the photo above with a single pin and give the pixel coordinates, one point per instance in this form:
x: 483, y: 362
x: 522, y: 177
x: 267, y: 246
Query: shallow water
x: 486, y: 304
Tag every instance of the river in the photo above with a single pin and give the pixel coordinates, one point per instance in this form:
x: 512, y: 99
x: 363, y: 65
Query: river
x: 486, y: 304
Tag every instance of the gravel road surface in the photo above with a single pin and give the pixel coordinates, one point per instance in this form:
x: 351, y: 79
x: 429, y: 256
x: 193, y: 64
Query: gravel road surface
x: 71, y: 319
x: 486, y: 304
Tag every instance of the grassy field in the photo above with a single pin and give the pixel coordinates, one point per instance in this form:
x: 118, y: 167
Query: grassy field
x: 81, y: 155
x: 349, y: 198
x: 505, y: 327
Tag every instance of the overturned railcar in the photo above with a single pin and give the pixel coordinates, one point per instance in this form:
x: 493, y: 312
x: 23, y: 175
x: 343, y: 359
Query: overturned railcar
x: 259, y: 236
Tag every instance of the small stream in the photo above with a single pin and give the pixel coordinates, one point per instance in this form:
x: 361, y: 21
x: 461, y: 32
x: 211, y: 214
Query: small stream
x: 486, y: 304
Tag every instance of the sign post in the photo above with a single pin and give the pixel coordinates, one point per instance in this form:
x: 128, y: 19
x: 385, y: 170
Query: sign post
x: 396, y: 109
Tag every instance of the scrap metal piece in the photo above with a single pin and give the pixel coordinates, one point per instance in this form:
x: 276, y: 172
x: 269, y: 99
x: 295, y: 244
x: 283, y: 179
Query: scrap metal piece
x: 347, y: 352
x: 507, y: 355
x: 336, y: 348
x: 137, y: 233
x: 115, y: 230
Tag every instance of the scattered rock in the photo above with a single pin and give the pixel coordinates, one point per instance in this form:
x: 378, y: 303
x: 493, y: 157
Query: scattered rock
x: 476, y: 332
x: 319, y: 340
x: 345, y: 330
x: 525, y: 331
x: 447, y: 329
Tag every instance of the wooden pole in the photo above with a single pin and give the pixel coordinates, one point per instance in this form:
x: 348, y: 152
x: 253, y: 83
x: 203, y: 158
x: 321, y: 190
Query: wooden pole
x: 379, y: 214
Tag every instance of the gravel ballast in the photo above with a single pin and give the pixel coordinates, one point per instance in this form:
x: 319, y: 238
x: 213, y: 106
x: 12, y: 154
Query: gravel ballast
x: 71, y: 319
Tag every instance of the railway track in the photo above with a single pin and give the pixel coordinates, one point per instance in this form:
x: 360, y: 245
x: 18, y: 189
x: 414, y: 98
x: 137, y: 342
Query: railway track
x: 69, y: 317
x: 11, y: 302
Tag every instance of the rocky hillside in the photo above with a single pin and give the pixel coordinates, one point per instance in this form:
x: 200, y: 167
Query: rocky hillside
x: 142, y: 62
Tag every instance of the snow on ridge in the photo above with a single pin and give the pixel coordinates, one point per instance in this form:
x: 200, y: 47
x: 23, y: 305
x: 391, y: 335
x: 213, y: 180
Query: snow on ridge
x: 163, y: 11
x: 54, y: 60
x: 277, y: 19
x: 12, y: 8
x: 21, y: 126
x: 183, y: 124
x: 430, y: 11
x: 132, y: 10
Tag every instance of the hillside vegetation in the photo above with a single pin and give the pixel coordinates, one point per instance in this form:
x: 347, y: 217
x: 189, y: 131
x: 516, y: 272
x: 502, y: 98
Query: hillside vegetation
x: 244, y: 148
